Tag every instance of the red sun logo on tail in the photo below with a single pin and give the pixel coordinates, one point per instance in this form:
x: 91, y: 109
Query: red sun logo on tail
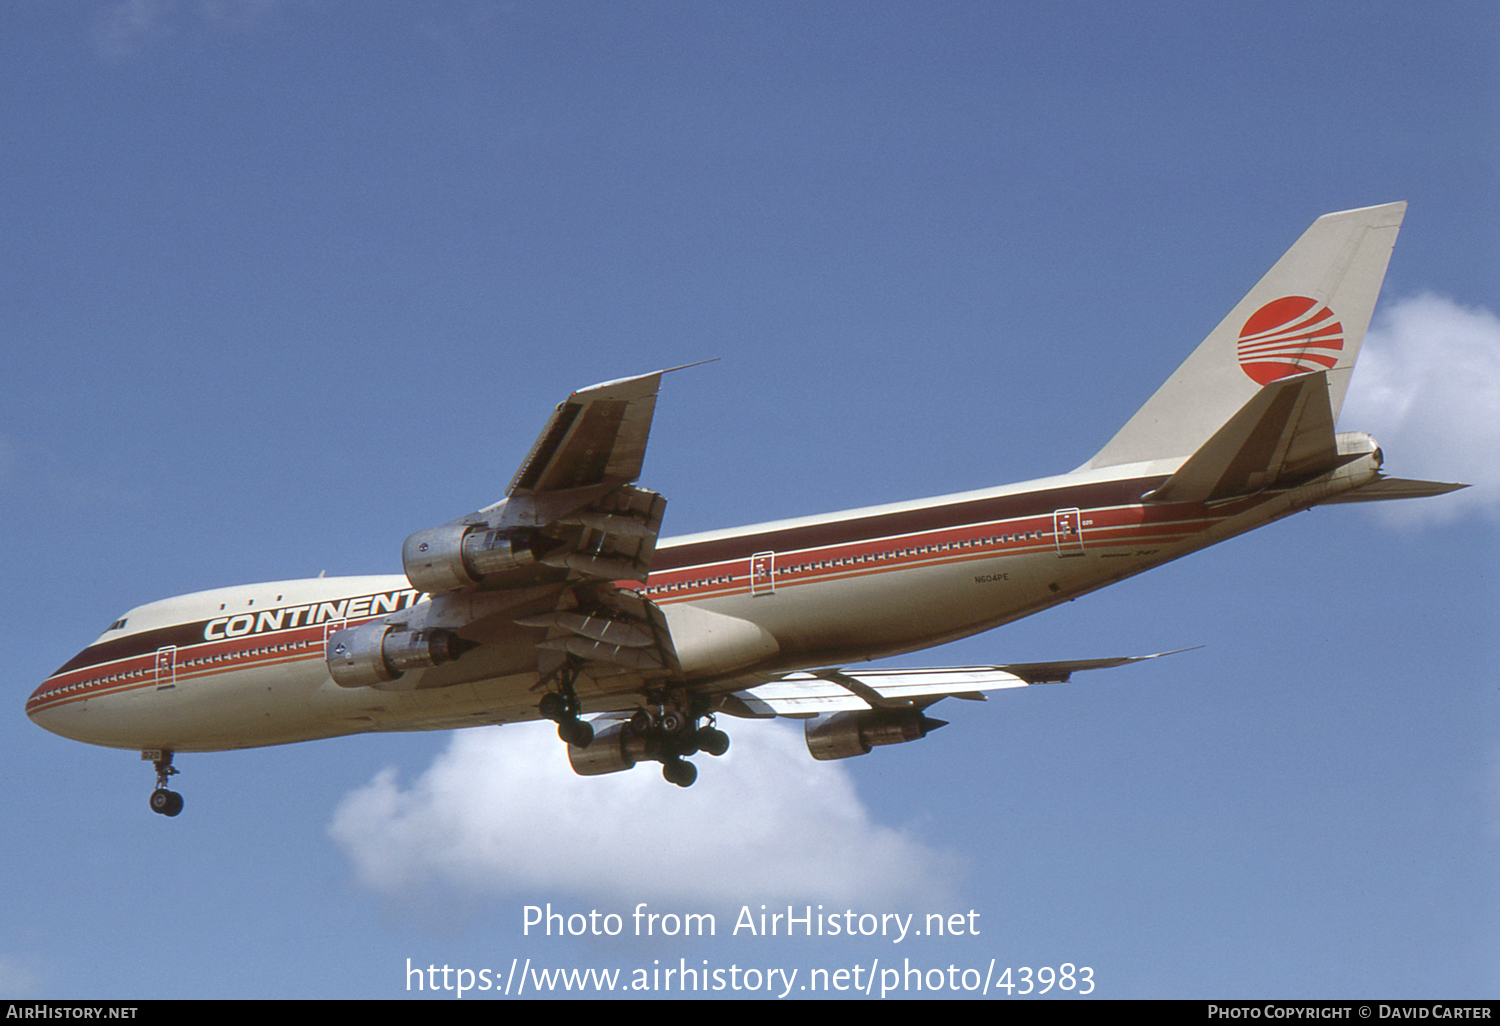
x: 1290, y: 335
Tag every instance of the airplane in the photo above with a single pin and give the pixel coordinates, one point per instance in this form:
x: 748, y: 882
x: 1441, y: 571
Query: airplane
x: 560, y: 601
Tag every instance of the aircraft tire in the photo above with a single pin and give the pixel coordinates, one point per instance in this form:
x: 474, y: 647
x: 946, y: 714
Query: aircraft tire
x: 679, y: 772
x: 576, y: 733
x: 552, y: 707
x: 713, y: 741
x: 167, y: 803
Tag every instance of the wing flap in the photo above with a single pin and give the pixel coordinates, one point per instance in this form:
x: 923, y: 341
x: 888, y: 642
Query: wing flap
x: 814, y: 692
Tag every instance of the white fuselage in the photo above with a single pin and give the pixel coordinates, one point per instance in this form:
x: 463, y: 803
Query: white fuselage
x: 243, y: 667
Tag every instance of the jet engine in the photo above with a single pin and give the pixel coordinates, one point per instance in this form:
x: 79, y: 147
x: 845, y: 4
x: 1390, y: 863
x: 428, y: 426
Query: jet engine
x: 377, y: 653
x: 457, y: 556
x: 847, y: 734
x: 614, y: 748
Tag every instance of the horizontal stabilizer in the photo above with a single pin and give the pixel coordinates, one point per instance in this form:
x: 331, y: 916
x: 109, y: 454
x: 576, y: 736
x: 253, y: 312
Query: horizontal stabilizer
x: 815, y: 692
x: 1283, y: 435
x: 1396, y: 488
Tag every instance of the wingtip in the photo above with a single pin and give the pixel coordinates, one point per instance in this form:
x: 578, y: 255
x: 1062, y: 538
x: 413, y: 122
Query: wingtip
x: 685, y: 366
x: 1175, y: 651
x: 646, y: 384
x: 1381, y: 215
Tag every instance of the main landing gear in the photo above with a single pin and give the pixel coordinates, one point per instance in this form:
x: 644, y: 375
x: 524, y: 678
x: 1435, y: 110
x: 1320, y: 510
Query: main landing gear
x: 668, y: 730
x: 562, y: 707
x: 168, y: 803
x: 671, y: 736
x: 665, y: 733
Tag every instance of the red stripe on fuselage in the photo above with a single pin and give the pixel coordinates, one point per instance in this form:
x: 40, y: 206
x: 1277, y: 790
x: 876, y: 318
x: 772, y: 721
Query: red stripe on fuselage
x: 1102, y: 527
x: 1134, y: 525
x: 193, y: 663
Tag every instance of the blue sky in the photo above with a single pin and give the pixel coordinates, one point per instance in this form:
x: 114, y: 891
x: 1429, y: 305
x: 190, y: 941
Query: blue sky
x: 286, y: 281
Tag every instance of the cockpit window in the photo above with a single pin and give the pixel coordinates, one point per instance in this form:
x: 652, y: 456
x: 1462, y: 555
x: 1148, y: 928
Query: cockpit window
x: 117, y: 625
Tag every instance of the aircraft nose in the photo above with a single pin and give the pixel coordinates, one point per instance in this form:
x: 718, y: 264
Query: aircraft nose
x: 57, y: 706
x: 42, y: 704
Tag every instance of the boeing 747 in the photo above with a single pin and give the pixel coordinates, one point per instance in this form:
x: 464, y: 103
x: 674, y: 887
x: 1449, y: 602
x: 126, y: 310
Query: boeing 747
x: 560, y: 601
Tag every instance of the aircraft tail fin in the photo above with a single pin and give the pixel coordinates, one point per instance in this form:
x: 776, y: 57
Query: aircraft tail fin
x: 1281, y: 438
x: 1307, y: 315
x: 1283, y: 434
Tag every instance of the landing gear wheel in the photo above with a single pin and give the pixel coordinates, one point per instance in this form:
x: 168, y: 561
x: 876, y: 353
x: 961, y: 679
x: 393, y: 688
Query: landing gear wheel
x: 168, y: 803
x: 576, y: 732
x: 553, y: 707
x: 562, y: 707
x: 712, y: 740
x: 680, y: 772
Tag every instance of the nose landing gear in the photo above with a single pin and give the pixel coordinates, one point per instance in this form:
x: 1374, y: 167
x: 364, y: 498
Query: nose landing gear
x: 167, y: 803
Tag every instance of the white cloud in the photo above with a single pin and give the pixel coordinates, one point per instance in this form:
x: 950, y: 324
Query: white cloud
x: 501, y: 812
x: 1428, y: 388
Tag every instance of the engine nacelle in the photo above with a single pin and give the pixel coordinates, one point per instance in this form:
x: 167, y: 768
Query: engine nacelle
x: 457, y: 556
x: 377, y: 653
x: 847, y: 734
x: 614, y: 748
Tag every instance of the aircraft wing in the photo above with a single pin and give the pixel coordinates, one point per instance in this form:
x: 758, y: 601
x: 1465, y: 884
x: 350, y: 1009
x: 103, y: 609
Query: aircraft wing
x: 570, y: 511
x: 817, y: 692
x: 596, y: 436
x: 593, y: 527
x: 528, y: 583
